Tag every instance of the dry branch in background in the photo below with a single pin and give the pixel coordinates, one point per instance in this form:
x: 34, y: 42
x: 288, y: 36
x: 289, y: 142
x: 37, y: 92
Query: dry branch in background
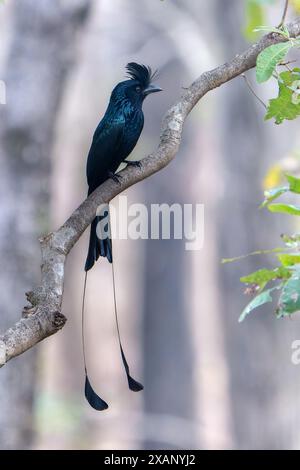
x: 43, y: 317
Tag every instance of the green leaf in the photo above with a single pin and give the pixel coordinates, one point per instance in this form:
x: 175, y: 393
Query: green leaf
x: 284, y: 208
x: 289, y: 300
x: 269, y: 58
x: 282, y: 107
x: 294, y: 183
x: 288, y: 259
x: 259, y: 300
x: 263, y: 276
x: 272, y: 194
x: 255, y: 16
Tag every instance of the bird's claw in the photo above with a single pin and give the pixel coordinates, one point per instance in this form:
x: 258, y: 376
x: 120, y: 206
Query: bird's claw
x: 115, y: 177
x: 133, y: 163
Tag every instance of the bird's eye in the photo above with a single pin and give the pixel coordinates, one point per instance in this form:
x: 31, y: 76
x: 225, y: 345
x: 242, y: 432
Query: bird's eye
x: 138, y: 89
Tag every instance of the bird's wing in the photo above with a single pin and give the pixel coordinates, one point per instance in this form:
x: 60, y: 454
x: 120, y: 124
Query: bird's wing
x: 105, y: 147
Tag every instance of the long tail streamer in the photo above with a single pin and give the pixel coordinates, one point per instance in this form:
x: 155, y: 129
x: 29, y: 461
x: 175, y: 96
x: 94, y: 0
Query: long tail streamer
x: 133, y: 384
x: 94, y: 400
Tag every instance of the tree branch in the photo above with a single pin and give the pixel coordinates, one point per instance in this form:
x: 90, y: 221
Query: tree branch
x: 43, y: 317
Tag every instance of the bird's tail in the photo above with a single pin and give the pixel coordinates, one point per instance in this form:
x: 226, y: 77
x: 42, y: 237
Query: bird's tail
x: 100, y: 241
x: 102, y: 247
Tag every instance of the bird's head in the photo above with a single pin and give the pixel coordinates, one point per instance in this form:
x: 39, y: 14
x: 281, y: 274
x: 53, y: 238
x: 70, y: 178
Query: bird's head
x: 138, y: 86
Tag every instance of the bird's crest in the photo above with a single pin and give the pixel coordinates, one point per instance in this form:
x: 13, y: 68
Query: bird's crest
x: 141, y: 73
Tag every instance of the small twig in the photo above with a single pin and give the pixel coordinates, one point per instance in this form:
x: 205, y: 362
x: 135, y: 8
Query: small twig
x: 286, y: 6
x: 252, y: 90
x: 286, y: 64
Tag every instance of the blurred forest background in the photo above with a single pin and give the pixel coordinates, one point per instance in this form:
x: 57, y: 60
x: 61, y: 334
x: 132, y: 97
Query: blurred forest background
x: 209, y: 381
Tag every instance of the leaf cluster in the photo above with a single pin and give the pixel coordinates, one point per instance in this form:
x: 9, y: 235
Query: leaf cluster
x: 283, y: 281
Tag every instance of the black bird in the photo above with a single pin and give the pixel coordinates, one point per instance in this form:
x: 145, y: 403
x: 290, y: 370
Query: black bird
x: 113, y: 141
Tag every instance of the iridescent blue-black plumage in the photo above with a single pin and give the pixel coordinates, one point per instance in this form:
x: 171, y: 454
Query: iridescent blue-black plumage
x: 94, y: 400
x: 114, y: 139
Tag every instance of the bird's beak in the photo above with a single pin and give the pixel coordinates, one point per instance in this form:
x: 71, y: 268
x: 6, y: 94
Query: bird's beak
x: 151, y: 89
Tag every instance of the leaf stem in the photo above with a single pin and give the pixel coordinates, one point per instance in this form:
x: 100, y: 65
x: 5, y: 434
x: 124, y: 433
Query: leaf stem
x: 286, y: 64
x: 252, y: 90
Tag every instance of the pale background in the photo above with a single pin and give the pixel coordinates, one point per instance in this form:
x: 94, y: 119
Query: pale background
x: 209, y: 381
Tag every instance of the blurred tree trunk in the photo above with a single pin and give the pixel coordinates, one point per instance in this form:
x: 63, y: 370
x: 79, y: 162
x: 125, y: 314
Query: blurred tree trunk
x: 41, y: 52
x: 167, y: 335
x: 256, y: 347
x: 185, y: 386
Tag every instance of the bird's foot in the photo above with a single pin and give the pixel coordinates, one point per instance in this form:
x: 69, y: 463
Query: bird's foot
x: 133, y: 163
x: 115, y: 177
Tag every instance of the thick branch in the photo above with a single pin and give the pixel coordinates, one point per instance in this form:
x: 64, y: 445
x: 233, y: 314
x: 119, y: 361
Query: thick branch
x: 43, y: 317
